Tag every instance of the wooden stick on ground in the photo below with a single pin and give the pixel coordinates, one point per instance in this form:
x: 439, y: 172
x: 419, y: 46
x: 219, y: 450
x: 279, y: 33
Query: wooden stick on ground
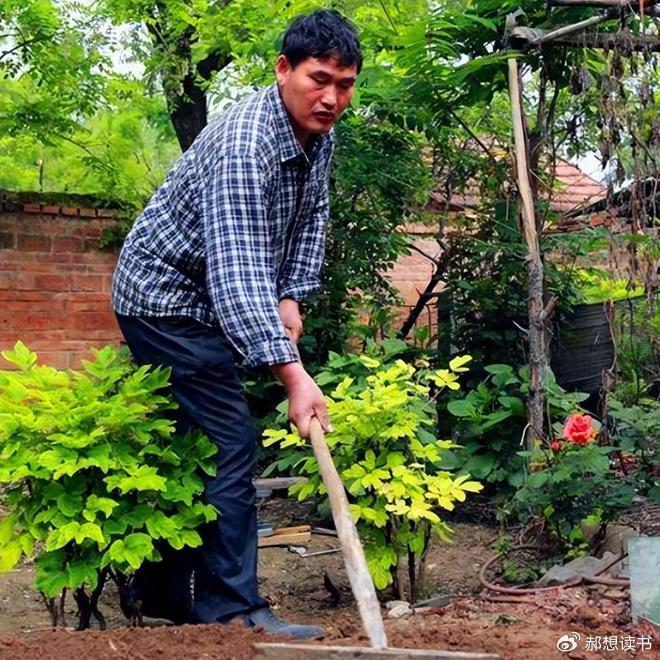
x: 356, y: 564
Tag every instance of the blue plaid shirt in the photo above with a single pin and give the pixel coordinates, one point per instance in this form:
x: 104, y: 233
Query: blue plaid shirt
x: 238, y: 224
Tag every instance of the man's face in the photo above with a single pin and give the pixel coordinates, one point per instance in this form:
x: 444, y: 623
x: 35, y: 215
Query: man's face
x: 315, y: 93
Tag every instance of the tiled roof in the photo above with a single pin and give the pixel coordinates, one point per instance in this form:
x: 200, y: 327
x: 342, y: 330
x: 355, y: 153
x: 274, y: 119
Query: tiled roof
x: 572, y: 189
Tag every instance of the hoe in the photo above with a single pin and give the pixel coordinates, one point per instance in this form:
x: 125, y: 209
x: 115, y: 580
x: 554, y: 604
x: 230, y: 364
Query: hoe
x: 361, y: 584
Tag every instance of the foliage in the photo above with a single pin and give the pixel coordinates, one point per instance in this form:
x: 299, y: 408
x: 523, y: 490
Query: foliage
x: 121, y: 154
x: 93, y: 476
x: 378, y: 173
x: 387, y: 453
x: 637, y: 338
x: 569, y: 487
x: 636, y: 429
x: 596, y: 285
x: 51, y: 68
x: 489, y: 422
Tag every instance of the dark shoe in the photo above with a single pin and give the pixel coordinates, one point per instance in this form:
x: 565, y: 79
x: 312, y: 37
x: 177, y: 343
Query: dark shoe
x: 265, y: 620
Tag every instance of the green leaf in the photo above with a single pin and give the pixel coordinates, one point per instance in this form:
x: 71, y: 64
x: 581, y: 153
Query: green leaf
x: 91, y: 531
x: 461, y: 408
x: 457, y: 364
x: 137, y: 548
x: 10, y: 554
x: 21, y: 356
x: 70, y: 505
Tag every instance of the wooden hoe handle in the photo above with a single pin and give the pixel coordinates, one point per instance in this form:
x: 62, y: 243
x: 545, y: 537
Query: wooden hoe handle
x: 356, y: 565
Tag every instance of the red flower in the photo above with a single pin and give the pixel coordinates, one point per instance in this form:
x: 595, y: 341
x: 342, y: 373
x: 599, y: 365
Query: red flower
x: 579, y: 429
x: 555, y: 446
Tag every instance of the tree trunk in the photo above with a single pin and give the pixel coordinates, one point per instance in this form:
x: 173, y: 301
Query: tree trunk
x: 185, y: 93
x: 538, y: 363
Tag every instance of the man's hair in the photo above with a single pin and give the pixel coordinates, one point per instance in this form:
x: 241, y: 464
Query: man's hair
x: 323, y: 33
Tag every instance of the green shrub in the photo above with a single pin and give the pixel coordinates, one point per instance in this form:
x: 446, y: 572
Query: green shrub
x: 388, y: 455
x: 92, y: 475
x: 489, y: 422
x: 570, y: 485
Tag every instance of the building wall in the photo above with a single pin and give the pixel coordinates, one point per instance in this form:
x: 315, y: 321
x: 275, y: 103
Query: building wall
x: 54, y: 281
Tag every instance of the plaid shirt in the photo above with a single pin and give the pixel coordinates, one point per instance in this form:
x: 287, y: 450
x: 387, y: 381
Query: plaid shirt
x: 238, y: 225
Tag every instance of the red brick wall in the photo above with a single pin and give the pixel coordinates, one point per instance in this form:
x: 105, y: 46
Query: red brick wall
x: 54, y: 281
x: 411, y: 273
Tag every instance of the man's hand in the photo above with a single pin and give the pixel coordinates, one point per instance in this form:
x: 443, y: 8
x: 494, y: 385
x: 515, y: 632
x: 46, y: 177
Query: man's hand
x: 291, y: 318
x: 305, y: 398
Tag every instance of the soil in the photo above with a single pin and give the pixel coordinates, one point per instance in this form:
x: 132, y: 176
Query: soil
x: 465, y: 621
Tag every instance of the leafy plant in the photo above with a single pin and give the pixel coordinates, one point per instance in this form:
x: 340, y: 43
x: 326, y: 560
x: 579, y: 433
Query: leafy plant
x: 491, y: 420
x: 93, y: 476
x: 637, y: 433
x: 571, y: 485
x: 388, y: 455
x: 595, y: 285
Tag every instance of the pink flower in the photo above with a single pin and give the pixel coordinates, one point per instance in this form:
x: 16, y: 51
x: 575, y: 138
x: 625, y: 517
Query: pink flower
x: 579, y: 429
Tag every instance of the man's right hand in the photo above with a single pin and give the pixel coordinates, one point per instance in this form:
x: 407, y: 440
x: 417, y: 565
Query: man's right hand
x: 305, y: 397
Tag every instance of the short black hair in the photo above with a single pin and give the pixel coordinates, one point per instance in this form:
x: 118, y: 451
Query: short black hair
x: 323, y: 33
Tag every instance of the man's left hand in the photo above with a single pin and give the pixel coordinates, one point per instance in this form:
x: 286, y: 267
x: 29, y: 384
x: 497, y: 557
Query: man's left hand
x: 291, y: 318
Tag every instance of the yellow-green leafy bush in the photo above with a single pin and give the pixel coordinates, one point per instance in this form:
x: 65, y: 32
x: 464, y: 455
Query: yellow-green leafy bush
x: 388, y: 455
x: 92, y: 474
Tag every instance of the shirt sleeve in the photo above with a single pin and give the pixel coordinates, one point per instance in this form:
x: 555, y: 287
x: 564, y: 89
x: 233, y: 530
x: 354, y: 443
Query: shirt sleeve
x: 299, y: 276
x: 240, y: 268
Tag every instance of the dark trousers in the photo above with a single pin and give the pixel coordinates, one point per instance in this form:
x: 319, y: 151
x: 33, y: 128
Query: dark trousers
x: 205, y: 383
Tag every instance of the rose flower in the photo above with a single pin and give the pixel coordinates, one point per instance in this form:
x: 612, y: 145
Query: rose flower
x: 579, y: 429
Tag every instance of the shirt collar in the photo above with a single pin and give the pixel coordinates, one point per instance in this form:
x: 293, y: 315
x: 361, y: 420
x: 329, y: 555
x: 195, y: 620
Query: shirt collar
x: 290, y: 148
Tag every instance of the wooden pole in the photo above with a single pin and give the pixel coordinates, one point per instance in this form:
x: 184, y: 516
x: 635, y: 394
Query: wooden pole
x: 354, y: 560
x: 538, y: 362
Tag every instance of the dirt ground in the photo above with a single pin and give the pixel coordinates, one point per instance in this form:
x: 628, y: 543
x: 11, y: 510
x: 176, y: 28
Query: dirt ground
x: 466, y: 621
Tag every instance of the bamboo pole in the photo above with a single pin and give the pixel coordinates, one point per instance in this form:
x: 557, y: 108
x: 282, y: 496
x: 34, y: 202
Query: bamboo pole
x: 538, y: 362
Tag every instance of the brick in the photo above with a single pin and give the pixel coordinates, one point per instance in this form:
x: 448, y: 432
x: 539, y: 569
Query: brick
x: 91, y: 244
x: 78, y: 306
x: 7, y: 280
x: 7, y: 241
x: 103, y: 268
x: 68, y: 245
x: 44, y: 266
x: 47, y: 339
x: 50, y: 282
x: 51, y: 209
x: 28, y: 243
x: 56, y: 359
x: 105, y: 213
x: 31, y: 208
x: 41, y: 282
x: 89, y: 229
x: 27, y: 321
x: 93, y: 321
x: 80, y: 282
x: 31, y: 296
x: 69, y: 210
x: 87, y: 212
x: 94, y: 258
x: 55, y: 227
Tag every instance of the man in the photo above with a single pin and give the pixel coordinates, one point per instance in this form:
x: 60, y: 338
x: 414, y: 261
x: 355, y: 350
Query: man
x: 213, y: 271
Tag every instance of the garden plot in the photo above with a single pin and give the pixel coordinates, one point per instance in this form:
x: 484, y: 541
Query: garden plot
x: 297, y: 588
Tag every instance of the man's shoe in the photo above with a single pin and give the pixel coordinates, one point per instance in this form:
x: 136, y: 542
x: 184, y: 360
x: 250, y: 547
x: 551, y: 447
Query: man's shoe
x: 265, y: 620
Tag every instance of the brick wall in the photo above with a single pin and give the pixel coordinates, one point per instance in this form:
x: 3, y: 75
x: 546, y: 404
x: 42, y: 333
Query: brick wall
x: 411, y: 273
x: 54, y: 280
